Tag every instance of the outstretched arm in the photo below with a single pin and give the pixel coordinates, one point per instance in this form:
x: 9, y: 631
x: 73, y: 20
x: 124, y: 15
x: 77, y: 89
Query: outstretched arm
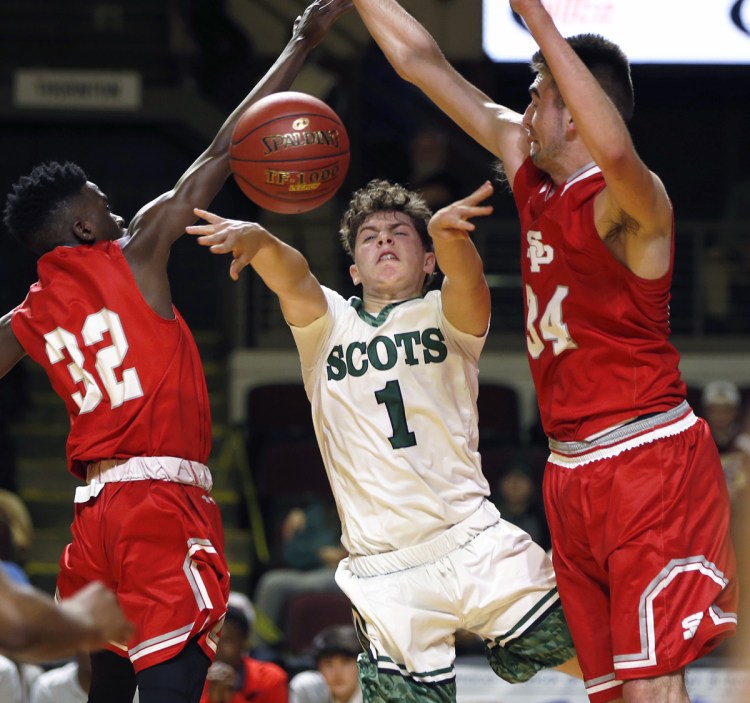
x: 34, y: 627
x: 283, y: 269
x: 634, y: 196
x: 416, y: 57
x: 466, y: 296
x: 159, y: 223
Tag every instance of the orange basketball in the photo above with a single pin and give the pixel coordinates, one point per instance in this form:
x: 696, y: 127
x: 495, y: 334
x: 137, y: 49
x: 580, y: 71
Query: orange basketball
x: 289, y: 152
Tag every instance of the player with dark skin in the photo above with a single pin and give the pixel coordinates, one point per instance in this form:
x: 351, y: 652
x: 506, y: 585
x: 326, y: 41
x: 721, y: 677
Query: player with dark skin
x: 148, y: 238
x: 34, y: 628
x: 82, y: 218
x: 570, y: 123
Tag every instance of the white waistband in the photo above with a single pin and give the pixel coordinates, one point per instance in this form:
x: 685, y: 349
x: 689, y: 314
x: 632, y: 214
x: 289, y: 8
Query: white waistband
x: 157, y: 468
x: 633, y: 434
x: 454, y: 537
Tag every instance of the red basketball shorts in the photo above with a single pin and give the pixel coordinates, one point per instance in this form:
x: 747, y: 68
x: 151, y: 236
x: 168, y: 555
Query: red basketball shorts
x: 160, y: 546
x: 641, y: 549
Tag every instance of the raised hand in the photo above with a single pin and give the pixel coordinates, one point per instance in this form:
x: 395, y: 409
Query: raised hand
x: 318, y: 18
x: 454, y: 220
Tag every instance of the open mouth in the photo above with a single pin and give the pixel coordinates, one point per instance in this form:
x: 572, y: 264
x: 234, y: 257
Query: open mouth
x: 387, y: 256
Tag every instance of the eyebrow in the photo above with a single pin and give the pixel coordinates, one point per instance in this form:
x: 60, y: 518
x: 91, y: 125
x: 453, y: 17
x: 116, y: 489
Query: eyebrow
x: 393, y: 226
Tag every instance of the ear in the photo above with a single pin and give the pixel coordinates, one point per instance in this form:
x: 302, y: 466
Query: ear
x: 429, y: 262
x: 354, y: 273
x: 83, y: 231
x: 570, y: 125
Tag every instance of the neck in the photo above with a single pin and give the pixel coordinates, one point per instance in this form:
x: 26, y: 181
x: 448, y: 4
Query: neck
x: 569, y: 167
x: 373, y: 303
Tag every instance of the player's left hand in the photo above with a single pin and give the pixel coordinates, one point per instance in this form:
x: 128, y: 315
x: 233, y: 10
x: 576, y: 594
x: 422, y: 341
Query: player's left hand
x: 454, y: 220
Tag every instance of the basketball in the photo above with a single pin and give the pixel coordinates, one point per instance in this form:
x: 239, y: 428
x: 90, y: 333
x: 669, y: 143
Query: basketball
x: 289, y: 152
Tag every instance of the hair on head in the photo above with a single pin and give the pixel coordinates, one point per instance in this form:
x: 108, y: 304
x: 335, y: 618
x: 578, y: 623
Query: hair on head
x: 337, y: 639
x: 383, y: 196
x: 31, y: 205
x: 238, y: 617
x: 608, y: 64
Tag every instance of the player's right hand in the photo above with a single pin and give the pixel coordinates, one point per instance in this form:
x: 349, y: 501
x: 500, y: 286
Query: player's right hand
x: 95, y: 609
x: 318, y: 18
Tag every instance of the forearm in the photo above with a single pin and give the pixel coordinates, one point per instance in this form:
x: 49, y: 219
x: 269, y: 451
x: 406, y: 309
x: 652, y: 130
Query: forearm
x: 278, y: 78
x: 283, y: 269
x: 596, y: 118
x: 460, y: 262
x: 33, y: 627
x: 403, y: 40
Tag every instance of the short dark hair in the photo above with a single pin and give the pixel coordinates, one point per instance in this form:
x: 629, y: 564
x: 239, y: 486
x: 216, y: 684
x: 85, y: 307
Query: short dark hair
x: 608, y: 64
x: 337, y: 639
x: 383, y: 196
x: 239, y: 618
x: 35, y: 199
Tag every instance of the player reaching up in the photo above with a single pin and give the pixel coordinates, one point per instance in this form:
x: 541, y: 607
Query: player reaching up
x: 633, y: 489
x: 100, y: 321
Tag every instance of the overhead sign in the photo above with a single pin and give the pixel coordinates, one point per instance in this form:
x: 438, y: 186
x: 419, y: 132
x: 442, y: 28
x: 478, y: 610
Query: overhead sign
x: 77, y: 90
x: 649, y: 31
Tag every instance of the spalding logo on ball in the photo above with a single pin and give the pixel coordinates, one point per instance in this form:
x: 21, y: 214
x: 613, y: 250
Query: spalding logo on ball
x: 289, y: 152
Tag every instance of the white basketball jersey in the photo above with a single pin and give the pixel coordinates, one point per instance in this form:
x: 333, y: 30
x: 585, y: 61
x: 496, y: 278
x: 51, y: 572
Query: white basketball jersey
x: 394, y: 407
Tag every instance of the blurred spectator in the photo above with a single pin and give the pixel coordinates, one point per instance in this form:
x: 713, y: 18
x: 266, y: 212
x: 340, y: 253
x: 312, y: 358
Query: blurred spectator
x: 64, y: 684
x: 722, y: 409
x: 236, y: 677
x: 517, y: 498
x: 311, y: 551
x: 14, y: 402
x: 16, y: 534
x: 67, y: 683
x: 335, y: 678
x: 16, y: 680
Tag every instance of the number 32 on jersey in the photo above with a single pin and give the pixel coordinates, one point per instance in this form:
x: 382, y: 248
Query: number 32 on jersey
x: 108, y: 359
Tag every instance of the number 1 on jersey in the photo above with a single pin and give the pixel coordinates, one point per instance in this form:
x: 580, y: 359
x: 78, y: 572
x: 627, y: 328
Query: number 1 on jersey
x: 391, y: 397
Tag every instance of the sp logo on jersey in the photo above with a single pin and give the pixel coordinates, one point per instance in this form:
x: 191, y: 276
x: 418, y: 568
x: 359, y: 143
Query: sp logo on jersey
x: 690, y: 625
x: 538, y: 252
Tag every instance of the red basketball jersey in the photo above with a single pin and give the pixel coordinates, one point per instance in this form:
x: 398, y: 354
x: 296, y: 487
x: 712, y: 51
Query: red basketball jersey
x: 597, y: 334
x: 132, y: 381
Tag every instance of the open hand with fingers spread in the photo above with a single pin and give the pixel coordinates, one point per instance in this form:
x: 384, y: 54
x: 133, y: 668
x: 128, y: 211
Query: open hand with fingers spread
x: 454, y: 220
x: 222, y: 236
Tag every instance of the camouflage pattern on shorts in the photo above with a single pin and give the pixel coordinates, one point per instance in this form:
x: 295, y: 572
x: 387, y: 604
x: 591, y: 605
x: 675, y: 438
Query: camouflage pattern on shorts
x: 546, y: 645
x: 384, y: 687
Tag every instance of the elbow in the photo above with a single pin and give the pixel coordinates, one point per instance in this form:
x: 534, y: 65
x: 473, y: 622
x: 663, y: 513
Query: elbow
x: 616, y: 166
x: 617, y: 156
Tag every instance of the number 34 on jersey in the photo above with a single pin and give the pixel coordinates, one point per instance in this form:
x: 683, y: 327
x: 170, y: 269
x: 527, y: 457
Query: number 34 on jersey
x: 550, y: 326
